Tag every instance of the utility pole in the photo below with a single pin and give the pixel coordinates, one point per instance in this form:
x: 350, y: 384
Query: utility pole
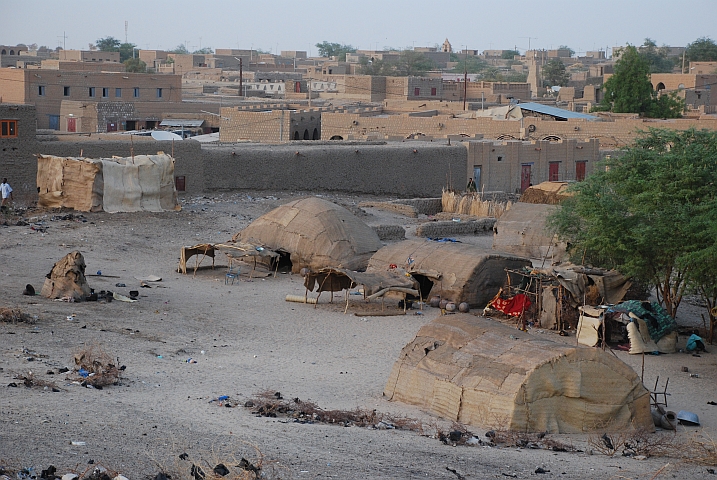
x: 241, y: 79
x: 465, y: 77
x: 125, y: 31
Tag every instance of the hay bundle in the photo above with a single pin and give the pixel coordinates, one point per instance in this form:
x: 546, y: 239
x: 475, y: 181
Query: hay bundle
x: 67, y: 279
x: 98, y: 366
x: 472, y: 204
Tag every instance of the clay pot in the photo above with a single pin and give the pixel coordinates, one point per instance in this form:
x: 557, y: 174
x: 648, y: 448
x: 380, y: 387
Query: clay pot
x: 463, y: 307
x: 443, y: 303
x: 450, y: 307
x: 435, y: 301
x: 669, y: 421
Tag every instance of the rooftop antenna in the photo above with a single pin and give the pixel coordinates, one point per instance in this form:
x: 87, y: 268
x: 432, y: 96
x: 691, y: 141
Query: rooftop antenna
x: 125, y: 31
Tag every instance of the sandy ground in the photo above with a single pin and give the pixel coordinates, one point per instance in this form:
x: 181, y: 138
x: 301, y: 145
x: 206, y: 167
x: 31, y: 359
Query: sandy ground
x: 246, y: 339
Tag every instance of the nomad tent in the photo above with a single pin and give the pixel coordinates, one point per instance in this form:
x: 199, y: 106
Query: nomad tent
x: 142, y: 182
x: 480, y: 372
x: 313, y: 233
x: 522, y: 231
x: 457, y: 272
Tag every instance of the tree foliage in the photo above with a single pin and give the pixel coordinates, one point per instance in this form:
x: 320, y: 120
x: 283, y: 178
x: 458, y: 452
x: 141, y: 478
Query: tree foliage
x: 179, y: 49
x: 565, y: 47
x: 629, y: 90
x: 554, y: 73
x: 469, y: 64
x: 704, y: 49
x: 657, y: 58
x: 650, y: 214
x: 111, y: 44
x: 328, y: 49
x: 135, y: 65
x: 203, y: 51
x: 509, y: 54
x: 409, y: 63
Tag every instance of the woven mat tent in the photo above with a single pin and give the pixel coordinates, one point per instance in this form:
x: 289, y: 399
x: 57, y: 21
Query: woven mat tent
x: 548, y: 193
x: 313, y: 233
x: 133, y: 184
x: 457, y: 272
x: 522, y: 231
x: 479, y: 372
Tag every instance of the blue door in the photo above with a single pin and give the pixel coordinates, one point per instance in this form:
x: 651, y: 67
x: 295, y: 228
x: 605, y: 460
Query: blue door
x: 54, y: 122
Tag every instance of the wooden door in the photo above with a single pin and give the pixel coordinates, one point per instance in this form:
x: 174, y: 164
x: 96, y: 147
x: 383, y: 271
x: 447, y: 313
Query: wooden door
x: 580, y: 171
x: 71, y: 124
x: 554, y: 171
x: 525, y: 177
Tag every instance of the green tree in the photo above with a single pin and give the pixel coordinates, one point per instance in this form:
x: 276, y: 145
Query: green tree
x: 108, y: 44
x: 554, y: 73
x: 509, y: 54
x: 468, y: 64
x: 376, y: 67
x: 328, y: 49
x: 135, y: 65
x: 657, y: 58
x: 179, y: 49
x: 126, y: 51
x: 649, y: 213
x: 412, y: 63
x: 704, y: 49
x: 629, y: 89
x: 565, y: 47
x: 203, y: 51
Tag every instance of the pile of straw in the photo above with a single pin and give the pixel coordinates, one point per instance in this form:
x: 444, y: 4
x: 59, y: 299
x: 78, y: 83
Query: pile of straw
x: 472, y: 204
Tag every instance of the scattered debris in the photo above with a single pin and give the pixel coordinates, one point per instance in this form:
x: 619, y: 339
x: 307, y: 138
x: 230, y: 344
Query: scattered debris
x: 100, y: 369
x: 9, y: 315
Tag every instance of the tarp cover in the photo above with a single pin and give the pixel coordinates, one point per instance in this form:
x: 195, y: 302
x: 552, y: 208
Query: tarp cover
x: 335, y: 280
x: 315, y: 233
x: 550, y: 193
x: 460, y: 272
x: 479, y: 372
x: 144, y: 182
x: 521, y: 230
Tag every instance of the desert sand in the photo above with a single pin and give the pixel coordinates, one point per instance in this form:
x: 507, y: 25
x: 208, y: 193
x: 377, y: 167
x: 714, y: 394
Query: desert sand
x: 246, y: 339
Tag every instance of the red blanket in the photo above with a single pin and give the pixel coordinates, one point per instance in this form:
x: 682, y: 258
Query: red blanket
x: 514, y: 306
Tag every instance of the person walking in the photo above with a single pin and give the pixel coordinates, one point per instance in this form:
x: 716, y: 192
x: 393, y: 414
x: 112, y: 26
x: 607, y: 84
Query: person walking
x: 6, y: 191
x: 471, y: 187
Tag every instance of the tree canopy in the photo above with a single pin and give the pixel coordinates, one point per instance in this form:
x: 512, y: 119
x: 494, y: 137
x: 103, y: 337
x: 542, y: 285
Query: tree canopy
x: 328, y: 49
x: 135, y: 65
x: 554, y: 73
x: 649, y: 213
x: 629, y: 90
x: 409, y: 63
x: 704, y: 49
x: 179, y: 49
x: 509, y: 54
x: 657, y: 58
x: 565, y: 47
x: 111, y: 44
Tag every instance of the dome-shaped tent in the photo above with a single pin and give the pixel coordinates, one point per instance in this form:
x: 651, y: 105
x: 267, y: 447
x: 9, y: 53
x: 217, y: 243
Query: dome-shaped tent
x: 456, y: 271
x: 479, y: 372
x: 314, y: 233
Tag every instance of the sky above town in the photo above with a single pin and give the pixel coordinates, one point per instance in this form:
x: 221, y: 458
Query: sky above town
x: 276, y: 25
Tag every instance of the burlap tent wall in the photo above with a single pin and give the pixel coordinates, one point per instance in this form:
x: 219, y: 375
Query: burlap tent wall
x: 315, y: 233
x: 548, y: 193
x: 460, y: 272
x: 522, y: 230
x: 143, y: 182
x: 479, y: 372
x: 67, y: 278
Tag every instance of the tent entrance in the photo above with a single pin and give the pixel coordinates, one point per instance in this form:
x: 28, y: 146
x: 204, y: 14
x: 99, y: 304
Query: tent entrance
x: 282, y: 263
x: 425, y: 284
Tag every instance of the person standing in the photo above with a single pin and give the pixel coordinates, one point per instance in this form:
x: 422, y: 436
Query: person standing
x: 471, y: 187
x: 6, y: 191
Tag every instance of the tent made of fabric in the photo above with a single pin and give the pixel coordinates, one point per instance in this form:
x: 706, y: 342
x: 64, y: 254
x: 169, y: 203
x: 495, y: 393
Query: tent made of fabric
x: 457, y: 272
x: 476, y: 371
x: 522, y: 230
x: 314, y: 233
x: 132, y: 184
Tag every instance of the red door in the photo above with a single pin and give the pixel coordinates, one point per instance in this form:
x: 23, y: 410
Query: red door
x: 579, y: 171
x: 71, y: 124
x: 525, y: 177
x: 554, y: 173
x: 111, y: 127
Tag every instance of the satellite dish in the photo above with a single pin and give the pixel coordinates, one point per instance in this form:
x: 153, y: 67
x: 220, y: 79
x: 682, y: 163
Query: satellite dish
x: 162, y: 135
